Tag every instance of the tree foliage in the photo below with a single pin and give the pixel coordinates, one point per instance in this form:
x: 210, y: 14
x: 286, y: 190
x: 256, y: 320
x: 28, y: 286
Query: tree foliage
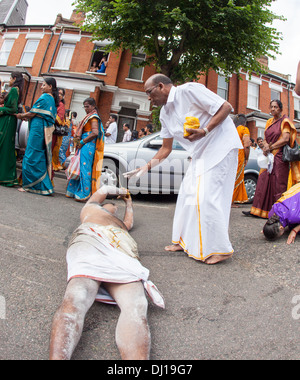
x: 185, y: 37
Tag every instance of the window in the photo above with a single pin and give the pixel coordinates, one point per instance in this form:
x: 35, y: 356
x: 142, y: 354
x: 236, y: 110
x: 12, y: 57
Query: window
x: 275, y: 95
x: 253, y: 96
x: 5, y: 51
x: 223, y: 86
x: 29, y: 52
x: 99, y: 53
x: 135, y: 72
x: 65, y: 56
x: 297, y: 108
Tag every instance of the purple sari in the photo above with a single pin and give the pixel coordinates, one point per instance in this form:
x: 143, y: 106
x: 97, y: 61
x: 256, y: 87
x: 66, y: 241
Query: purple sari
x: 288, y: 207
x: 270, y: 187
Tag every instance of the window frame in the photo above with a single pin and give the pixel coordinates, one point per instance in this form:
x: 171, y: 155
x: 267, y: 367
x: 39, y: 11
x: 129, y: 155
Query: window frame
x: 60, y: 60
x: 223, y: 89
x: 132, y: 68
x: 251, y: 96
x: 6, y: 53
x: 29, y: 52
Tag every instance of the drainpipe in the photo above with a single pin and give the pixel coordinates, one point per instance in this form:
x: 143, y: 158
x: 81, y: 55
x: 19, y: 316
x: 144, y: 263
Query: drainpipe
x: 40, y: 71
x: 289, y: 101
x: 61, y: 32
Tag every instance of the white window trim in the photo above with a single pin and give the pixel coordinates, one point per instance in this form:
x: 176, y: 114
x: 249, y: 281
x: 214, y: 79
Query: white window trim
x: 143, y: 70
x: 24, y: 51
x: 254, y: 80
x: 34, y: 36
x: 70, y: 38
x: 6, y: 51
x: 58, y: 57
x: 275, y: 87
x: 248, y: 105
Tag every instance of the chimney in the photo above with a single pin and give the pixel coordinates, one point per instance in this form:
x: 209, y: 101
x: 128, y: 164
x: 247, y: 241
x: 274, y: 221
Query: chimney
x: 78, y: 17
x: 264, y: 61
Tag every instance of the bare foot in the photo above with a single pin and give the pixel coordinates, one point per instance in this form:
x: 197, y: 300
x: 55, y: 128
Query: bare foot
x: 21, y: 190
x: 173, y: 248
x: 217, y: 259
x: 235, y: 206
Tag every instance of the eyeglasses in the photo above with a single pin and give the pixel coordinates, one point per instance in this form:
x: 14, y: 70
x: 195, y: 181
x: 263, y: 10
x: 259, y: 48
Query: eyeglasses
x: 148, y: 92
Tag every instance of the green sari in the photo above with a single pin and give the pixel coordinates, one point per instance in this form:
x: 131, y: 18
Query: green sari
x: 8, y: 127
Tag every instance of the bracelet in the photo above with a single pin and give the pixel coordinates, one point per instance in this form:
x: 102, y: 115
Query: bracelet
x: 206, y: 131
x: 82, y: 142
x: 295, y: 231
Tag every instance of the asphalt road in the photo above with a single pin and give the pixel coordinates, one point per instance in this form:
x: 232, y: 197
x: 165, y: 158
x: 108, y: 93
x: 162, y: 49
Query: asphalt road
x: 239, y: 309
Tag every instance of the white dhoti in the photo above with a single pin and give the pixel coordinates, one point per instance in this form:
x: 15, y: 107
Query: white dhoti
x: 107, y: 254
x: 201, y: 221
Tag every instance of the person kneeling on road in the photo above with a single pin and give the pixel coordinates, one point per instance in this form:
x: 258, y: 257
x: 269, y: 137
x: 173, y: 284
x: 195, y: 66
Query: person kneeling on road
x: 284, y: 214
x: 103, y: 265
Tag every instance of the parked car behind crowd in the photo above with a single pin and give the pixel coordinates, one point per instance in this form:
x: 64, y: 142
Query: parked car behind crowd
x: 165, y: 178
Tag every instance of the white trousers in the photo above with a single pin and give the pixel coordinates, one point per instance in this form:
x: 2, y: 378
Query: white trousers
x: 201, y: 221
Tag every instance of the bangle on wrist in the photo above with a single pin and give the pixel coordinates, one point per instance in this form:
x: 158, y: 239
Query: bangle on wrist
x: 295, y: 231
x: 82, y: 142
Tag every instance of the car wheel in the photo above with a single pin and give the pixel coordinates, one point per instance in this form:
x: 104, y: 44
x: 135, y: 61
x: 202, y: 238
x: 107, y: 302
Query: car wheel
x: 110, y: 173
x: 250, y: 184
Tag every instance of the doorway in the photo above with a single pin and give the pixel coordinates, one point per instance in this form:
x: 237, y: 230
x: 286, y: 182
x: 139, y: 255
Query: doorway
x: 126, y: 115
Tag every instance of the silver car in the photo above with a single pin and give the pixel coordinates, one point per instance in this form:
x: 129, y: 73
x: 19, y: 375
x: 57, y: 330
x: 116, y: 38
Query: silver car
x: 165, y: 178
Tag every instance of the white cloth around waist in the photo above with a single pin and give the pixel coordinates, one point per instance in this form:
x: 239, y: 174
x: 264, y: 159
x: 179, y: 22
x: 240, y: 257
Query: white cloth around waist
x: 93, y: 254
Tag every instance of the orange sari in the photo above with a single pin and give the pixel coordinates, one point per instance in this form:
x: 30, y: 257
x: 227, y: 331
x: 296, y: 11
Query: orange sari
x: 240, y: 193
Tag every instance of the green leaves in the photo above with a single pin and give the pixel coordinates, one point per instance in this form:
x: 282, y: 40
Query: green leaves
x: 185, y: 37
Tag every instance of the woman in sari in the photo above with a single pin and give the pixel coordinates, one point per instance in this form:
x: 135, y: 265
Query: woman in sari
x: 37, y: 162
x: 285, y: 215
x: 57, y: 140
x: 240, y: 193
x: 270, y: 186
x: 89, y: 138
x: 8, y: 127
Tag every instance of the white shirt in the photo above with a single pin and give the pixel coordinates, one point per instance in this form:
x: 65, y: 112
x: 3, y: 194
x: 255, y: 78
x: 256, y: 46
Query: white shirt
x: 194, y: 99
x: 113, y: 130
x: 127, y: 136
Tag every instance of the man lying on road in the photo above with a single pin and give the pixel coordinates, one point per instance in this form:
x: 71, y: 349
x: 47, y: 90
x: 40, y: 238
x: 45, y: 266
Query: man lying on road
x: 103, y: 265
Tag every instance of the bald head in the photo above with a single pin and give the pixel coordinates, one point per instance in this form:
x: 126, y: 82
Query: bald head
x: 158, y: 78
x: 158, y: 87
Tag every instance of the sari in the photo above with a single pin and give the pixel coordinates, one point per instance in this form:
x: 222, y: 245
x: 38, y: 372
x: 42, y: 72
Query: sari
x: 91, y: 160
x: 240, y: 193
x: 64, y: 151
x: 37, y: 161
x: 8, y: 127
x: 270, y: 187
x: 288, y: 207
x: 57, y: 140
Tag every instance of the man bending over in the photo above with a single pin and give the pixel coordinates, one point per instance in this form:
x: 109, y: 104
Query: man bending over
x: 103, y: 265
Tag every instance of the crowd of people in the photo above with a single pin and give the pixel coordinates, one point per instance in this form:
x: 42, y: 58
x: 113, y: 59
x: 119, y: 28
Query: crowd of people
x: 103, y: 261
x: 55, y: 135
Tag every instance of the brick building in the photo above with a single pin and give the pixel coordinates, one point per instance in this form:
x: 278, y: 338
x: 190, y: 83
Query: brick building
x: 66, y: 53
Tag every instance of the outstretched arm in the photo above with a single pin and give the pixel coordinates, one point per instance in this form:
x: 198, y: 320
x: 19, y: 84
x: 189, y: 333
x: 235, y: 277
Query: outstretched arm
x: 293, y: 234
x: 160, y: 156
x: 128, y: 217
